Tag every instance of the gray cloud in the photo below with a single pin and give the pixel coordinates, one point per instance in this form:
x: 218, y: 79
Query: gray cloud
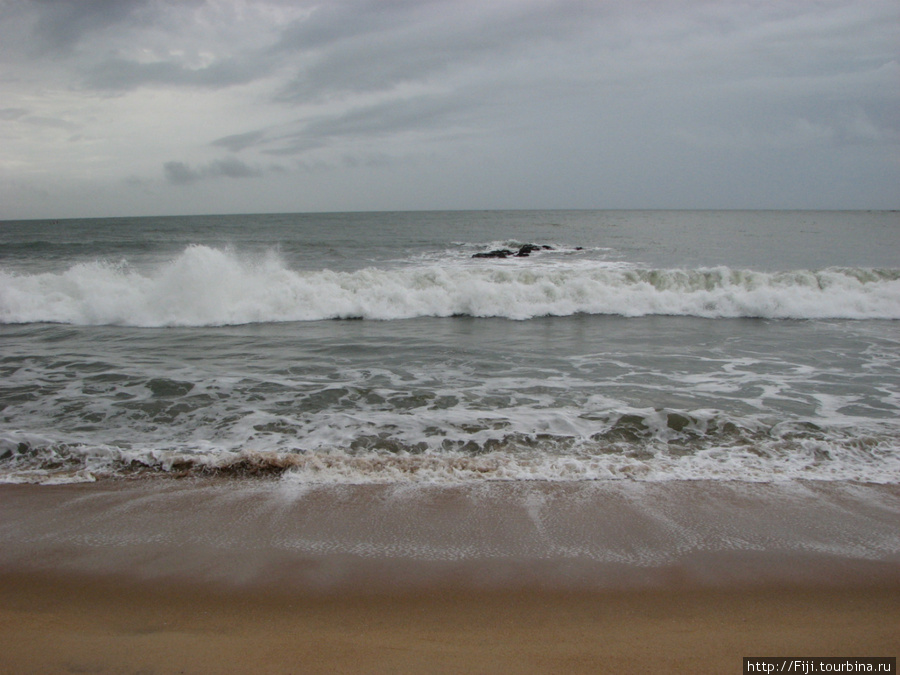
x: 423, y: 112
x: 383, y: 120
x: 238, y: 142
x: 121, y: 74
x: 50, y: 122
x: 232, y: 168
x: 9, y: 114
x: 293, y: 144
x: 330, y: 22
x: 418, y: 103
x: 179, y: 173
x: 62, y: 24
x: 95, y: 41
x: 371, y: 45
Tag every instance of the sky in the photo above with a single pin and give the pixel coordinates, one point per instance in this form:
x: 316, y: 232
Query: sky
x: 164, y: 107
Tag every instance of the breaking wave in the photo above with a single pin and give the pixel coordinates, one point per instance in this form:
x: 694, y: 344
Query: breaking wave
x: 654, y: 446
x: 205, y: 286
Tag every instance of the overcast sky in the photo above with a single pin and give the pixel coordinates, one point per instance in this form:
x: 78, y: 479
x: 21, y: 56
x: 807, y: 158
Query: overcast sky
x: 152, y: 107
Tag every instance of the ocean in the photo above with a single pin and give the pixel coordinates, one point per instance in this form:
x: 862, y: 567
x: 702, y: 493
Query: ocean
x: 381, y: 348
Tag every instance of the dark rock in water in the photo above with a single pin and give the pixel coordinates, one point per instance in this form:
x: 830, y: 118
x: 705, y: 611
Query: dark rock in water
x: 523, y: 252
x: 677, y: 421
x: 165, y: 388
x: 528, y: 249
x: 497, y: 253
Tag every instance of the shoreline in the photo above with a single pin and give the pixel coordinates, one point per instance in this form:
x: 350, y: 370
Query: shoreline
x: 224, y: 576
x: 495, y: 535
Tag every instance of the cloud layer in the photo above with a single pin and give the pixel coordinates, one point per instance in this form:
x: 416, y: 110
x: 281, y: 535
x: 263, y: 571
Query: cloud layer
x: 158, y: 106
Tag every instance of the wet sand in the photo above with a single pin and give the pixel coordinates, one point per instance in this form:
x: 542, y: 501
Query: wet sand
x: 260, y: 577
x: 73, y: 624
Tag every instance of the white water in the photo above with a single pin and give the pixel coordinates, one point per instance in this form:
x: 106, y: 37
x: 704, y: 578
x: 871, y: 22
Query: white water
x: 764, y: 463
x: 371, y: 446
x: 205, y: 286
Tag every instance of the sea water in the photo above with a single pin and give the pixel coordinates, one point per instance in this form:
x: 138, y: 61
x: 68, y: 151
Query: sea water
x: 374, y: 348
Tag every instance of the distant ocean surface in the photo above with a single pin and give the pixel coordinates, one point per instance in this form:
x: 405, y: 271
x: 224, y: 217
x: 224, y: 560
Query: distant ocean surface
x: 374, y: 348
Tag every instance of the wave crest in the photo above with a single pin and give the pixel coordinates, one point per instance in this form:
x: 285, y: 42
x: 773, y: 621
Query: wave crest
x: 205, y: 286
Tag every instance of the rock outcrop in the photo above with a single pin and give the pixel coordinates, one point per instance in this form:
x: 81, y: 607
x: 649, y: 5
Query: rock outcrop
x: 524, y: 251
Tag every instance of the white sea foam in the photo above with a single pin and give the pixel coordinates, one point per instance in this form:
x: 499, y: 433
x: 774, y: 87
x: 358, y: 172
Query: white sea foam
x: 655, y: 446
x: 205, y: 286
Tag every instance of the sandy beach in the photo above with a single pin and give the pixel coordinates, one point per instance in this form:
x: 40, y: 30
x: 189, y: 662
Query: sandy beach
x: 74, y: 624
x: 254, y: 576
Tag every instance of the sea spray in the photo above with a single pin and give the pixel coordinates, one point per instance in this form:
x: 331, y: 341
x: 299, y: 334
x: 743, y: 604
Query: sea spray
x: 206, y: 286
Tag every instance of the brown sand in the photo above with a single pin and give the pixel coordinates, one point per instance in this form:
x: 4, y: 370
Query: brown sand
x: 180, y: 577
x: 69, y: 624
